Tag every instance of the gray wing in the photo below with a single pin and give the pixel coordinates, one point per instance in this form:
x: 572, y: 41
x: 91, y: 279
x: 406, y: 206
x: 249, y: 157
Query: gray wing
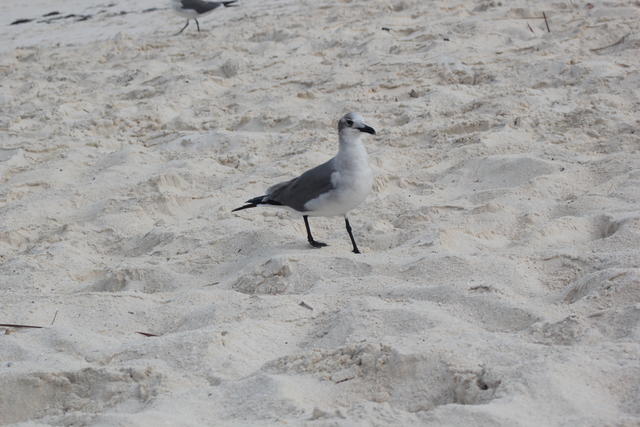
x: 298, y: 191
x: 200, y: 6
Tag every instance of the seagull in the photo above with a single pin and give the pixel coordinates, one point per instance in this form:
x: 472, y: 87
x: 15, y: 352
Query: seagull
x: 191, y: 9
x: 332, y: 188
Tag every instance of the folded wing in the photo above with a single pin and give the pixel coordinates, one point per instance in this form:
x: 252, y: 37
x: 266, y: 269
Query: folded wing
x: 308, y: 186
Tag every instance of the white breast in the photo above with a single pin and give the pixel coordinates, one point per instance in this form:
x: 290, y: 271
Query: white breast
x: 352, y: 182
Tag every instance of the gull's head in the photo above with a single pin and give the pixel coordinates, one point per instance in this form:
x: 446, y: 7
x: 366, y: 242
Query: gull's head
x: 352, y: 125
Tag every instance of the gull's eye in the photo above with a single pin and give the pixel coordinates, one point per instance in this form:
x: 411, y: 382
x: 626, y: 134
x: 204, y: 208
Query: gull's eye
x: 349, y: 122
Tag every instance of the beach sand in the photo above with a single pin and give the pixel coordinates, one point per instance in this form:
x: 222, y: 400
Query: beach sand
x: 500, y: 279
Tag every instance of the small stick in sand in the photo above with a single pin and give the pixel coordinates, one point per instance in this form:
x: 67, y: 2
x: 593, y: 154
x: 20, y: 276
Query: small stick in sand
x: 54, y: 318
x: 530, y: 29
x: 146, y: 334
x: 611, y: 45
x: 544, y: 15
x: 305, y: 305
x: 13, y: 325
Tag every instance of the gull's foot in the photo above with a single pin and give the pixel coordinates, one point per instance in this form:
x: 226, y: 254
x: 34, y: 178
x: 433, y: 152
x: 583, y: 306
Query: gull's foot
x: 316, y: 244
x: 356, y: 251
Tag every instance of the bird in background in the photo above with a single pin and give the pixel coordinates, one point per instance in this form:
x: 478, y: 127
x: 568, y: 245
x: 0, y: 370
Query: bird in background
x: 192, y: 9
x: 331, y: 189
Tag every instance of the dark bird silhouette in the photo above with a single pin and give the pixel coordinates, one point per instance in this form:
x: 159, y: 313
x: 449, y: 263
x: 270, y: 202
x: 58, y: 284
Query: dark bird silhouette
x: 192, y: 9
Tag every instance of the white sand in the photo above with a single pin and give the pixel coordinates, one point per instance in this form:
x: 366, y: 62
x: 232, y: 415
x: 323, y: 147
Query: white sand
x: 500, y: 280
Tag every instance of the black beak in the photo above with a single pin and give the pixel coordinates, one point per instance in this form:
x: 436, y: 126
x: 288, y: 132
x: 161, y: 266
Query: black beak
x: 367, y: 129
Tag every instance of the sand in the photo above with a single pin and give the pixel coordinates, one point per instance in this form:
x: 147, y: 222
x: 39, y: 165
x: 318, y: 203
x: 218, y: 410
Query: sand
x: 500, y: 279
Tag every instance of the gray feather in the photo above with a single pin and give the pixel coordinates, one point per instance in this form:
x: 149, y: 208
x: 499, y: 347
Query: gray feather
x: 308, y: 186
x: 200, y: 6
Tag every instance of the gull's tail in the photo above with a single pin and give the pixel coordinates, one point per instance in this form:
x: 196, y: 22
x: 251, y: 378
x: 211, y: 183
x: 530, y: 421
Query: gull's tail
x: 260, y: 200
x: 229, y: 3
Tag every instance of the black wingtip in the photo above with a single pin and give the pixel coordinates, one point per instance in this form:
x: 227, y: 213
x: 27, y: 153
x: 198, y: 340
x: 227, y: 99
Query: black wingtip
x: 229, y: 3
x: 250, y: 205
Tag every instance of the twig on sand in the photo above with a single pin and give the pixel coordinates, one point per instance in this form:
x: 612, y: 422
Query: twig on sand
x: 530, y: 29
x: 624, y: 273
x: 611, y: 45
x: 21, y: 21
x: 305, y: 305
x: 54, y: 318
x: 544, y: 15
x: 511, y: 18
x: 13, y: 325
x: 482, y: 288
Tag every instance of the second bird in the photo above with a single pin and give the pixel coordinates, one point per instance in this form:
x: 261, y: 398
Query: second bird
x: 192, y: 9
x: 332, y: 188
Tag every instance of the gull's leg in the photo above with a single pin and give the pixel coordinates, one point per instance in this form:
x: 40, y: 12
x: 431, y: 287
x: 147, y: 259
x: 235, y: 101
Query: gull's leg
x: 198, y: 25
x: 185, y: 26
x: 353, y: 241
x: 309, y: 236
